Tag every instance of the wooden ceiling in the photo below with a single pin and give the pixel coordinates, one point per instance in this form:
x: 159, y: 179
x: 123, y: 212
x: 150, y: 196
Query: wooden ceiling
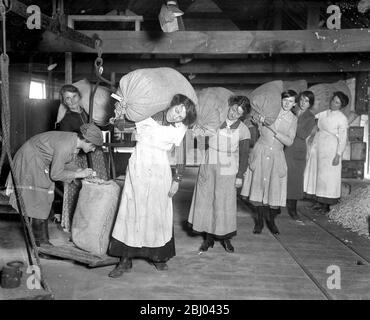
x: 245, y: 14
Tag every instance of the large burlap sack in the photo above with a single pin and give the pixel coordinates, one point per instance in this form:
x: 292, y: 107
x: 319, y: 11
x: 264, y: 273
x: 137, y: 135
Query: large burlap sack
x: 148, y: 91
x: 212, y: 110
x: 103, y: 106
x: 94, y: 216
x: 324, y: 92
x: 266, y: 100
x: 296, y: 85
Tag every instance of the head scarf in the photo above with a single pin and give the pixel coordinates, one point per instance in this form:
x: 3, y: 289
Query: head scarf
x: 92, y: 133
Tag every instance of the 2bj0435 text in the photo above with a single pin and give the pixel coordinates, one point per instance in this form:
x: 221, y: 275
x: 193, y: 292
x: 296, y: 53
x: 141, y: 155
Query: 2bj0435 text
x: 199, y: 310
x: 204, y: 309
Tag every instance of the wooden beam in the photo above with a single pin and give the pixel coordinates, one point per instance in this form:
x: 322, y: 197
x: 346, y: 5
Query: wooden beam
x: 278, y: 14
x: 361, y: 94
x: 235, y: 66
x: 218, y: 42
x: 259, y: 79
x: 48, y: 23
x: 105, y: 18
x: 256, y: 79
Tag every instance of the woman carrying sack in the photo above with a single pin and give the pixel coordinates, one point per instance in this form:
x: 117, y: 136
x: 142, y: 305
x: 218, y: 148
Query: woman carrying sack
x: 265, y: 181
x: 144, y: 223
x: 213, y: 207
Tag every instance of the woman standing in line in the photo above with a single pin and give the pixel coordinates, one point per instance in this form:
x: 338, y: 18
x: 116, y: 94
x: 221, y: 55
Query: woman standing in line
x: 296, y: 153
x: 265, y: 181
x: 144, y: 224
x: 213, y: 207
x: 322, y: 176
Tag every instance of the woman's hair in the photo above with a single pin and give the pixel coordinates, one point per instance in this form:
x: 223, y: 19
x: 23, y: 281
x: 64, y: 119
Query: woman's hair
x: 342, y: 97
x: 68, y: 88
x: 288, y: 94
x: 191, y: 112
x: 243, y: 102
x: 81, y: 137
x: 308, y: 94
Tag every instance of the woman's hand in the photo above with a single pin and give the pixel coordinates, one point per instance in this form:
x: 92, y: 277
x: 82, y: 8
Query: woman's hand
x: 257, y: 117
x: 270, y: 128
x: 238, y: 183
x: 174, y: 188
x: 336, y: 160
x: 84, y: 173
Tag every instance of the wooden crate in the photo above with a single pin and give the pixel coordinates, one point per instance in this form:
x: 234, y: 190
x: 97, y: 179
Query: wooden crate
x: 356, y: 134
x: 358, y: 151
x: 353, y: 169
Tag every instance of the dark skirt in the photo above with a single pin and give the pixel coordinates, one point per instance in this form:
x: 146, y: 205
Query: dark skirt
x: 159, y: 254
x: 330, y: 201
x: 215, y: 236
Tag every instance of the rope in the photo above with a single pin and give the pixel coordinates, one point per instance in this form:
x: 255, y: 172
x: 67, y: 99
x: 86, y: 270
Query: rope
x: 5, y: 124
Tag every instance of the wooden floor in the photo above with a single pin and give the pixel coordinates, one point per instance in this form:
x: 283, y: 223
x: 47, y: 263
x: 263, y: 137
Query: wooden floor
x: 293, y: 265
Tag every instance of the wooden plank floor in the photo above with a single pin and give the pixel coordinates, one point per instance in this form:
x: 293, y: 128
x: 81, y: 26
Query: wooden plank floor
x: 260, y: 268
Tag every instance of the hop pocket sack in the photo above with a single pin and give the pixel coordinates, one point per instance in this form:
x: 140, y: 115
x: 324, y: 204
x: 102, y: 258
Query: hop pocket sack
x: 145, y: 92
x: 94, y: 216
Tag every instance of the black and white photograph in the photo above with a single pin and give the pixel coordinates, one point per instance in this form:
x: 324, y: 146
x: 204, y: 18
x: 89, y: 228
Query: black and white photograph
x: 180, y: 155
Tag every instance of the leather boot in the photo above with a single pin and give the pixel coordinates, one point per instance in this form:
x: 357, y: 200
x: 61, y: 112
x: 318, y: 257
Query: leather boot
x: 40, y: 231
x: 125, y: 265
x: 208, y: 242
x: 161, y: 266
x: 325, y: 208
x: 292, y: 208
x: 258, y: 220
x: 227, y: 245
x: 270, y: 220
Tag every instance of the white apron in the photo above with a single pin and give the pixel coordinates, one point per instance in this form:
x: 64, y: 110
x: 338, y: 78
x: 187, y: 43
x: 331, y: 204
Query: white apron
x: 145, y: 217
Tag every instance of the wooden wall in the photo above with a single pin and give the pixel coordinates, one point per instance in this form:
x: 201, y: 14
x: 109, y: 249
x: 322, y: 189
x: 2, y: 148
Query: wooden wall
x: 28, y: 116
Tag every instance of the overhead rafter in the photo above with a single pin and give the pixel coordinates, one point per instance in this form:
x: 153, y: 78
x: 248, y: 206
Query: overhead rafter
x: 219, y: 42
x: 281, y: 65
x: 51, y: 24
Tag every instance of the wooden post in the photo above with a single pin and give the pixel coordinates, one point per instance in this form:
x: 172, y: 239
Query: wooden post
x: 361, y: 95
x: 278, y: 12
x: 50, y: 94
x: 68, y: 59
x: 54, y: 12
x: 113, y: 77
x: 68, y: 68
x: 137, y: 25
x: 313, y: 15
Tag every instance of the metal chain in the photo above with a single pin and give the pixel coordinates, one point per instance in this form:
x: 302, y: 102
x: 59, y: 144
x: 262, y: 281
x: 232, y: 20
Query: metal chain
x: 99, y: 63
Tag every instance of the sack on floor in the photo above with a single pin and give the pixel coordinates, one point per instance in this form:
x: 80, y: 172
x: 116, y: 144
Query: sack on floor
x: 324, y: 92
x: 94, y: 216
x: 266, y: 100
x: 103, y: 106
x: 213, y: 109
x: 148, y: 91
x: 297, y: 85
